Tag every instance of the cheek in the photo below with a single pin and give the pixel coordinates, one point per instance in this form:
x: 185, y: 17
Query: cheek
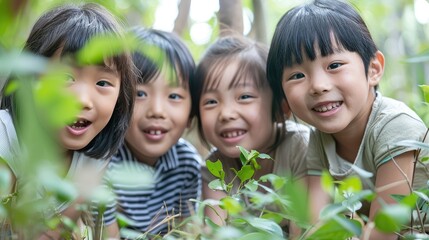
x: 207, y: 123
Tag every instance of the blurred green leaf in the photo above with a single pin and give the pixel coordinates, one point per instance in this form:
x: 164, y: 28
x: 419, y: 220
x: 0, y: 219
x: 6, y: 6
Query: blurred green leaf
x: 216, y: 185
x: 327, y: 182
x: 337, y: 228
x: 231, y: 205
x: 276, y: 181
x: 390, y: 218
x: 425, y: 89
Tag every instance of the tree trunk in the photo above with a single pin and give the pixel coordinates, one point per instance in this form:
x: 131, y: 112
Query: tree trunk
x: 259, y: 27
x: 230, y: 17
x: 182, y: 17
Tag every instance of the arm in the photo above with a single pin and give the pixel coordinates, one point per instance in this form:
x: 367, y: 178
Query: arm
x: 318, y: 198
x: 112, y: 231
x: 391, y: 179
x: 216, y: 195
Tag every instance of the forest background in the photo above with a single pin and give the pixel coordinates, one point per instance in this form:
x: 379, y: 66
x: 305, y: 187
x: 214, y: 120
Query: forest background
x: 400, y: 28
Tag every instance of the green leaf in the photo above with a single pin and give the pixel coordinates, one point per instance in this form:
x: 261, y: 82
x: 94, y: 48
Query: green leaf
x: 351, y: 184
x: 264, y: 156
x: 217, y: 184
x: 101, y: 47
x: 265, y: 225
x: 231, y: 205
x: 391, y: 218
x: 244, y: 155
x: 276, y: 181
x: 422, y: 196
x: 259, y: 236
x: 245, y: 173
x: 216, y: 169
x: 331, y: 210
x: 252, y: 185
x: 409, y: 200
x: 327, y: 182
x: 337, y: 228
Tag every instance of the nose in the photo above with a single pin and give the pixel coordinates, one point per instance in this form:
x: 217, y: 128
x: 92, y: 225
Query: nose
x: 320, y: 84
x: 156, y: 107
x: 228, y: 112
x: 83, y: 95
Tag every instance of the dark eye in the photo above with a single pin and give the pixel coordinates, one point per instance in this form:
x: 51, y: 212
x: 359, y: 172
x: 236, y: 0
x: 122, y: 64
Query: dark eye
x: 103, y: 83
x: 335, y: 65
x: 141, y: 94
x: 297, y: 76
x: 210, y: 102
x: 175, y: 96
x: 245, y: 96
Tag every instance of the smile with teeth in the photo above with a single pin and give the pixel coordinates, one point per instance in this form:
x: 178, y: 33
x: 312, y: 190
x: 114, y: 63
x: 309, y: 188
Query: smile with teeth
x: 154, y: 132
x: 233, y: 134
x: 327, y: 107
x: 80, y: 124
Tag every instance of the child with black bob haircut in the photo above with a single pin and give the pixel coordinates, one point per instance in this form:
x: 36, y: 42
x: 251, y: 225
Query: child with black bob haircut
x: 324, y: 62
x: 155, y: 172
x: 104, y: 90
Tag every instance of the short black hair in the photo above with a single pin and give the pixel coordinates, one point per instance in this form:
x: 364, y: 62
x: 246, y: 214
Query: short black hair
x: 308, y: 28
x: 68, y: 28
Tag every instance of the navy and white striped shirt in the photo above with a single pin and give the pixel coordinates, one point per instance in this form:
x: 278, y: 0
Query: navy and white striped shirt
x: 147, y: 195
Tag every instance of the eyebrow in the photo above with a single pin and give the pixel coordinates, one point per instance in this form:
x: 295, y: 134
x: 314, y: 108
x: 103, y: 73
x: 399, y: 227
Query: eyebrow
x: 103, y: 67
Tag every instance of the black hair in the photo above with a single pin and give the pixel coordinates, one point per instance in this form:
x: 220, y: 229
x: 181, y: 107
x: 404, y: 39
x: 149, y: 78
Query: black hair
x: 251, y: 58
x: 161, y: 51
x: 67, y: 29
x: 308, y: 29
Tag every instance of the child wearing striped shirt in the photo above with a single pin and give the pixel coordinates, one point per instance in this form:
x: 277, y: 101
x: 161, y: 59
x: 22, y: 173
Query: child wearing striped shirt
x: 156, y: 172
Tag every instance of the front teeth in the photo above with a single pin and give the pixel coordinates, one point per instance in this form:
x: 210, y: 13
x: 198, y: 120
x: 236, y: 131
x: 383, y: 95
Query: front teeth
x: 155, y: 132
x: 327, y: 107
x: 233, y: 134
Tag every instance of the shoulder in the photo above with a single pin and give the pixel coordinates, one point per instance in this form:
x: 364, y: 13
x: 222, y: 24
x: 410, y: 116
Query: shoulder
x: 187, y: 152
x: 391, y: 114
x: 296, y: 134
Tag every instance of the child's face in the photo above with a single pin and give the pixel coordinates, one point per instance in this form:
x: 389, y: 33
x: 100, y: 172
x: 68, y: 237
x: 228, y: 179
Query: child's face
x: 332, y: 93
x: 237, y: 116
x: 97, y: 90
x: 160, y: 116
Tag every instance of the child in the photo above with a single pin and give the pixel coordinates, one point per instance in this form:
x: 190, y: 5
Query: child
x: 234, y: 105
x: 324, y: 62
x: 153, y: 143
x: 103, y: 90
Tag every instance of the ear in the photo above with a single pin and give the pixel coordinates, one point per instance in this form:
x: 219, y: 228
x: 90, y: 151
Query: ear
x: 376, y: 69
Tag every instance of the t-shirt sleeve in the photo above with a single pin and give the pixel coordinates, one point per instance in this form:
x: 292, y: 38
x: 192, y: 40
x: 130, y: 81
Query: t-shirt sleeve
x: 389, y: 135
x: 315, y: 159
x: 292, y: 154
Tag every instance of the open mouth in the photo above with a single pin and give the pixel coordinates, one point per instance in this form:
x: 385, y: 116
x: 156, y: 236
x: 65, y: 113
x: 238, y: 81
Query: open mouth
x: 232, y: 134
x: 155, y: 132
x: 327, y: 107
x: 80, y: 124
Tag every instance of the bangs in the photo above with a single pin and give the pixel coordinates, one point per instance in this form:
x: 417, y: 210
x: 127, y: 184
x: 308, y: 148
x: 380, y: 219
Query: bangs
x: 310, y: 31
x: 163, y: 59
x: 248, y: 70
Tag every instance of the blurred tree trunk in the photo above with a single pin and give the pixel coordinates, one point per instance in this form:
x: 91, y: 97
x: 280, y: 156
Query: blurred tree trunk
x: 230, y: 16
x: 182, y: 17
x: 259, y: 27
